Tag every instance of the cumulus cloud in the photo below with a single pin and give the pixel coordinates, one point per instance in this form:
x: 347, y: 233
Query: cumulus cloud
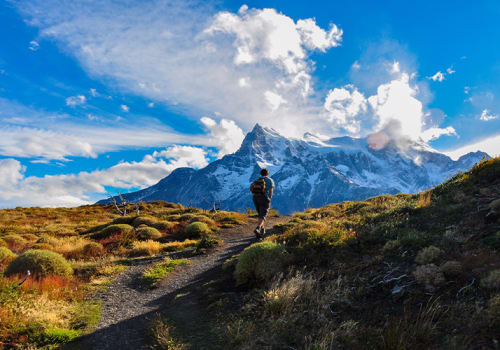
x: 125, y: 108
x: 344, y: 105
x: 225, y: 135
x: 73, y: 101
x: 85, y: 187
x: 486, y: 115
x: 435, y: 133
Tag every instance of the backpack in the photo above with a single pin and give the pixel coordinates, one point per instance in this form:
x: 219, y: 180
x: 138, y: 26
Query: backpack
x: 258, y: 186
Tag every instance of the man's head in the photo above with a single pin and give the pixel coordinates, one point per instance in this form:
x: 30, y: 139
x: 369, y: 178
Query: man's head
x: 264, y: 172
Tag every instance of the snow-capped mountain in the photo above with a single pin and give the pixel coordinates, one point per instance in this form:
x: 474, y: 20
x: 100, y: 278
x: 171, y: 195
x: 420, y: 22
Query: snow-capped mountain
x: 309, y: 172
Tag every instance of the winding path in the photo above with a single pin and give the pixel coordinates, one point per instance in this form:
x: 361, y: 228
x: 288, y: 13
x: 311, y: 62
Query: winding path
x: 128, y: 308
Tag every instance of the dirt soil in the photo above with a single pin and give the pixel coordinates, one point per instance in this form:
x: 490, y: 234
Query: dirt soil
x: 128, y: 307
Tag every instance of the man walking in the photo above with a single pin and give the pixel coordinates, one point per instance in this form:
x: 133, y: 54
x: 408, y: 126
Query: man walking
x: 263, y: 190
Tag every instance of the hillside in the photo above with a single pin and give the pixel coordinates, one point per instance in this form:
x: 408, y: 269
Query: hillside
x: 308, y: 172
x: 75, y: 254
x: 392, y: 272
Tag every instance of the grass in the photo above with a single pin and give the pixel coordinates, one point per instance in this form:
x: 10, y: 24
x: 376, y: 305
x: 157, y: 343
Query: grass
x: 152, y: 275
x: 392, y: 272
x: 165, y: 335
x: 98, y: 244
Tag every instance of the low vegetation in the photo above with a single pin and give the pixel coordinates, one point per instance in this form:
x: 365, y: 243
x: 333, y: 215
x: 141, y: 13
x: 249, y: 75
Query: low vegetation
x: 152, y: 275
x: 72, y: 252
x: 392, y: 272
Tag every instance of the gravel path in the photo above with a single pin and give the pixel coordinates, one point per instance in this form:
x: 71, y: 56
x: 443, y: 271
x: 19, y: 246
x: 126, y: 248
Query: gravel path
x: 128, y: 308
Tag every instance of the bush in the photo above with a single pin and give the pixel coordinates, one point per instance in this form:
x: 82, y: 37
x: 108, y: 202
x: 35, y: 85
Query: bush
x: 260, y: 262
x: 451, y: 269
x: 6, y: 256
x: 428, y: 255
x: 201, y: 218
x: 493, y: 240
x: 112, y: 230
x: 429, y: 275
x: 123, y: 220
x: 492, y: 281
x: 3, y: 243
x: 145, y: 233
x: 93, y: 249
x: 187, y: 217
x: 144, y: 220
x: 149, y: 247
x: 207, y: 241
x: 164, y: 226
x: 41, y: 263
x: 196, y: 229
x: 391, y: 246
x: 494, y: 311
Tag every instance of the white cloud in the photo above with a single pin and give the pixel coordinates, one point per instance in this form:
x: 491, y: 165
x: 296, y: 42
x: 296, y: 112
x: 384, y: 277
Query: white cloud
x: 450, y: 70
x: 490, y: 145
x: 396, y: 101
x: 190, y: 56
x: 344, y: 105
x: 487, y: 116
x: 226, y: 135
x: 356, y: 65
x: 86, y: 187
x: 437, y: 77
x: 93, y: 92
x: 125, y: 108
x: 34, y: 45
x: 274, y: 100
x: 73, y: 101
x: 435, y: 133
x: 466, y: 89
x: 151, y: 104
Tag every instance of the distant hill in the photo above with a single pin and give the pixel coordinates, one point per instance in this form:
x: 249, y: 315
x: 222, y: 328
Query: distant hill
x: 308, y: 172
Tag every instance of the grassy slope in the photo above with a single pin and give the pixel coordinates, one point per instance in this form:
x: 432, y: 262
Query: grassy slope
x: 355, y: 282
x: 98, y: 243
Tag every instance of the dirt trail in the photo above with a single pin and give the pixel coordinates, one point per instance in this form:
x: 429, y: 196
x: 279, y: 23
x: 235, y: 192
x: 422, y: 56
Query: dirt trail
x: 128, y: 308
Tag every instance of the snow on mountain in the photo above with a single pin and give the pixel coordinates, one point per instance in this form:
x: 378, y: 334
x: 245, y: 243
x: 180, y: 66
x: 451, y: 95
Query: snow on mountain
x: 308, y: 172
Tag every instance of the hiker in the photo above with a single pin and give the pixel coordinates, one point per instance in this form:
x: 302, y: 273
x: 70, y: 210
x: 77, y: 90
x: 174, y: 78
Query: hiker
x: 263, y: 190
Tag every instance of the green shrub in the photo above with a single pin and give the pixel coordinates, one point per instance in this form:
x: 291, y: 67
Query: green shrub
x: 174, y: 217
x: 144, y: 220
x: 451, y: 269
x: 428, y: 255
x: 3, y: 243
x: 492, y: 281
x: 196, y: 229
x: 123, y: 220
x: 41, y: 263
x: 112, y: 230
x: 429, y: 275
x: 260, y: 262
x: 52, y: 336
x: 201, y: 218
x: 187, y: 217
x: 93, y: 249
x: 6, y: 256
x: 145, y: 233
x: 494, y: 311
x: 412, y: 239
x: 207, y: 241
x: 391, y: 246
x: 283, y: 227
x: 166, y: 226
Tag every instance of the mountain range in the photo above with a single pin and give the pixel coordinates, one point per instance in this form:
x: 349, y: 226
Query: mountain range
x: 308, y: 172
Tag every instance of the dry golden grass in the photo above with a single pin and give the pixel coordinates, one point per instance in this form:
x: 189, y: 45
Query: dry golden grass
x: 70, y: 247
x: 148, y: 247
x: 424, y: 199
x: 178, y: 245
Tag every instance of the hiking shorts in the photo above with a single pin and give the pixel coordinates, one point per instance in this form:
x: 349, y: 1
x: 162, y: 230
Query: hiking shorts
x: 262, y: 205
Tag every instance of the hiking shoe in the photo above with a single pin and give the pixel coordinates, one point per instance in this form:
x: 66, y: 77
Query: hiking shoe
x: 262, y: 231
x: 257, y: 232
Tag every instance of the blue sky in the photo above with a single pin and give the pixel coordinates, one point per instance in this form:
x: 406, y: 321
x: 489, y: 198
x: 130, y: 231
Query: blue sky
x: 112, y: 96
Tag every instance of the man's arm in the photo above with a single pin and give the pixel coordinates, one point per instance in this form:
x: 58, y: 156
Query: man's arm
x: 271, y: 191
